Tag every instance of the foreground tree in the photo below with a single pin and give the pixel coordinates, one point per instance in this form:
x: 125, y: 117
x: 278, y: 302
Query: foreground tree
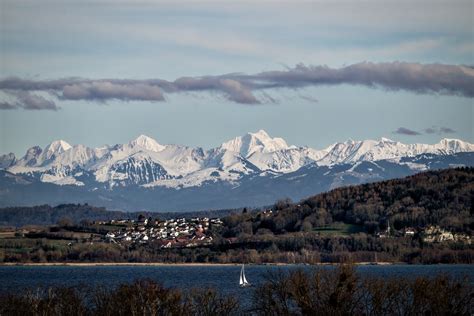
x: 341, y: 291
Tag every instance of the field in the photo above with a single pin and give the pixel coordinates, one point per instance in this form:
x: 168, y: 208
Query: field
x: 339, y: 229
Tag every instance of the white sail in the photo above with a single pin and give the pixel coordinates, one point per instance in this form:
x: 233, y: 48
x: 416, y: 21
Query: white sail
x: 241, y: 282
x: 245, y: 280
x: 243, y: 276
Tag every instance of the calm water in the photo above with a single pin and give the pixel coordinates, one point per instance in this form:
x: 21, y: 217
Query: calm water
x: 223, y: 278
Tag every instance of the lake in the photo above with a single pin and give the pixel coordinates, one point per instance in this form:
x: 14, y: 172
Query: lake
x: 223, y: 278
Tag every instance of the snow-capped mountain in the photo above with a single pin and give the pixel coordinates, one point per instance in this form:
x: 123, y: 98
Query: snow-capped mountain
x: 250, y: 143
x: 147, y: 163
x: 373, y: 150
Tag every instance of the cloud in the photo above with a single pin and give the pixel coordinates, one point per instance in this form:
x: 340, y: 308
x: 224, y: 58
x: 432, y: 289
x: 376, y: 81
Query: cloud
x: 419, y: 78
x: 309, y: 98
x: 28, y: 101
x: 405, y: 131
x: 447, y: 130
x: 234, y: 89
x: 439, y: 130
x: 430, y: 130
x: 7, y: 106
x: 103, y: 90
x: 240, y: 88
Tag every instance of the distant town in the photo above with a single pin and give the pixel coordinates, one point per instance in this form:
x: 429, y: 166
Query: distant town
x: 179, y: 232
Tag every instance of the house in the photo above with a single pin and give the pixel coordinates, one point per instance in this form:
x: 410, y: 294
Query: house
x: 436, y: 234
x: 216, y: 221
x: 409, y: 232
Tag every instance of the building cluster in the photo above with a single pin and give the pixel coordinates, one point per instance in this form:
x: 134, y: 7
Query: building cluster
x: 405, y: 232
x: 180, y: 232
x: 436, y: 234
x: 429, y: 234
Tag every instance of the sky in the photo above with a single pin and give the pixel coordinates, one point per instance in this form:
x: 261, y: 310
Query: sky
x: 199, y: 73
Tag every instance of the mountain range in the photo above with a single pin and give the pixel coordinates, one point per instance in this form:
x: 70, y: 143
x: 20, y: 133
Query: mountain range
x: 249, y: 170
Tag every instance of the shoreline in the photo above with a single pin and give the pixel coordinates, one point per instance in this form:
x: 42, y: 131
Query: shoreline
x: 165, y: 264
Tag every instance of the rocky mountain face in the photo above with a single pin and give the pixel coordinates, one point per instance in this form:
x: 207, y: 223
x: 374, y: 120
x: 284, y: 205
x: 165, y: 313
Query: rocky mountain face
x: 253, y: 169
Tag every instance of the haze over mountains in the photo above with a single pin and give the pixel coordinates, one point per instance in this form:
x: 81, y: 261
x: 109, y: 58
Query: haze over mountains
x: 249, y: 170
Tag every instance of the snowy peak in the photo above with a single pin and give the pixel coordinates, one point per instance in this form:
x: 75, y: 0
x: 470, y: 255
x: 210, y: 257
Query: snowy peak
x: 31, y: 156
x: 260, y: 134
x: 251, y: 143
x: 54, y: 149
x: 147, y: 143
x: 449, y: 146
x: 263, y: 152
x: 57, y: 147
x: 386, y: 140
x: 373, y: 150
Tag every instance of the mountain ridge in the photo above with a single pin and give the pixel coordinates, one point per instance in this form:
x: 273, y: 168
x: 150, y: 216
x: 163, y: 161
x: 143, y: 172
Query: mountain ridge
x: 252, y: 189
x: 145, y: 162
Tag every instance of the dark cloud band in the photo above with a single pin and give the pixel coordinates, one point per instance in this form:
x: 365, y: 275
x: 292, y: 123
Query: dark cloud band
x: 240, y: 88
x: 439, y: 130
x: 406, y: 131
x: 28, y: 101
x: 103, y: 90
x: 430, y: 130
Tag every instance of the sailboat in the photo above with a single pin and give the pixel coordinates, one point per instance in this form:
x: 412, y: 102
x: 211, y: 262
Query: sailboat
x: 243, y: 281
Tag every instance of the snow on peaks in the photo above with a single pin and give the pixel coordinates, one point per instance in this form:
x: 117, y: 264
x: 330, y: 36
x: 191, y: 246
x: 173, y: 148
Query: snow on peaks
x: 386, y: 140
x: 147, y: 143
x: 371, y: 150
x: 260, y: 133
x: 54, y: 149
x: 149, y: 162
x: 449, y: 146
x: 58, y: 146
x: 255, y: 142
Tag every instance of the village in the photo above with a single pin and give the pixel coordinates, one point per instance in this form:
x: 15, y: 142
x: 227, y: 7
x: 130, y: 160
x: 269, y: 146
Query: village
x: 179, y: 232
x: 428, y: 234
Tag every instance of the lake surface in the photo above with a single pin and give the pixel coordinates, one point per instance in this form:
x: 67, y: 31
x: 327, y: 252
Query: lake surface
x: 223, y: 278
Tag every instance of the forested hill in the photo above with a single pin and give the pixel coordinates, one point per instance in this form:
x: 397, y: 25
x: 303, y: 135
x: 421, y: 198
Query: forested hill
x: 443, y: 198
